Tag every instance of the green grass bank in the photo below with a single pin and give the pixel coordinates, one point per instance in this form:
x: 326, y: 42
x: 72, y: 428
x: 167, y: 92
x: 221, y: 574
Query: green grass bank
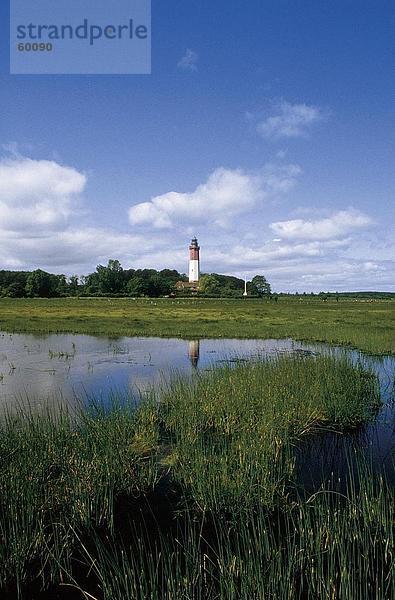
x: 367, y: 325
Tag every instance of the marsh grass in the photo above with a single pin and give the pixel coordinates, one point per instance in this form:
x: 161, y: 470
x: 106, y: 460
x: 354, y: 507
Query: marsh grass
x: 61, y: 472
x: 330, y: 545
x: 193, y: 496
x: 233, y: 430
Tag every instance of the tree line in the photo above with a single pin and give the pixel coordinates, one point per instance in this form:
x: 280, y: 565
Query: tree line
x: 113, y: 280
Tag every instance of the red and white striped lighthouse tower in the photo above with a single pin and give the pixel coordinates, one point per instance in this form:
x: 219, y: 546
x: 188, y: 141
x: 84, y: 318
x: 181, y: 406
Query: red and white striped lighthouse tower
x: 194, y: 261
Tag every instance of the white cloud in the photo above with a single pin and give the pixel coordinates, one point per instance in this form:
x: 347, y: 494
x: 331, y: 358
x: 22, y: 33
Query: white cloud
x: 38, y: 200
x: 189, y: 61
x: 290, y: 121
x: 72, y: 249
x: 339, y: 224
x: 37, y: 193
x: 226, y: 194
x: 281, y: 154
x: 41, y: 227
x: 243, y: 256
x: 303, y: 266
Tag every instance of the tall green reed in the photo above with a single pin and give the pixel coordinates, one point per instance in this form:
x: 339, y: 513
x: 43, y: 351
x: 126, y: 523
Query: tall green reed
x: 332, y: 545
x: 60, y: 472
x: 233, y: 430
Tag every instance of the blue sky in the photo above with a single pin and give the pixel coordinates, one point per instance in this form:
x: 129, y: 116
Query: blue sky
x: 266, y: 129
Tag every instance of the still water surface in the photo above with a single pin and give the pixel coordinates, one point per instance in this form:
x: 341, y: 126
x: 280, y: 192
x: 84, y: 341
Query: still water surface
x: 71, y: 368
x: 76, y: 366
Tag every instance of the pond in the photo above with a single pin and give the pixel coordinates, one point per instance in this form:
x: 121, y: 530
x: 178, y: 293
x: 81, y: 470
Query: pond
x: 45, y: 368
x: 69, y: 368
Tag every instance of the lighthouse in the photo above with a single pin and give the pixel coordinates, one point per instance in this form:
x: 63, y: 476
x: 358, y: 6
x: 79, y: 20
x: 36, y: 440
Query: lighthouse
x: 193, y: 352
x: 194, y: 261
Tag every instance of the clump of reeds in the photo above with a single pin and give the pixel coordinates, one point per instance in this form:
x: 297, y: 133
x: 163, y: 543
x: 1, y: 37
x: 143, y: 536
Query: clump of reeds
x: 233, y: 430
x: 331, y: 545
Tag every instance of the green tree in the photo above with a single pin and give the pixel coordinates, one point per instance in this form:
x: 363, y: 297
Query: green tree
x: 210, y: 285
x: 15, y: 290
x: 137, y: 286
x: 73, y: 285
x: 41, y: 284
x: 261, y: 285
x: 61, y: 288
x: 13, y: 283
x: 110, y: 279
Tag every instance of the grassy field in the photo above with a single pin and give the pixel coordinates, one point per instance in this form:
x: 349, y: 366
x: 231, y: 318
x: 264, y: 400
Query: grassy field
x: 194, y: 498
x: 368, y: 325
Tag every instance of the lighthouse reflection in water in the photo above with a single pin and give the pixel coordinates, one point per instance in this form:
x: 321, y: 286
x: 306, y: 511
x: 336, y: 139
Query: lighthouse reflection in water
x: 193, y: 352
